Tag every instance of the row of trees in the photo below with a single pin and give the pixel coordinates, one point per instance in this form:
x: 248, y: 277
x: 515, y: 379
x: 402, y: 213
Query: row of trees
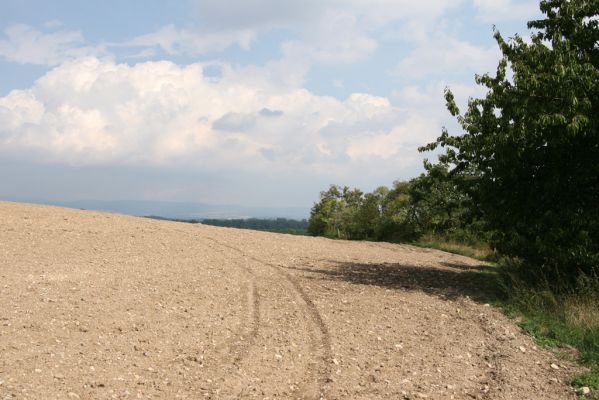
x: 282, y: 225
x: 431, y: 203
x: 526, y: 166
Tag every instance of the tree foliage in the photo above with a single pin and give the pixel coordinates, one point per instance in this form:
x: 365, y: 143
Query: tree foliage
x: 281, y: 225
x: 529, y: 154
x: 431, y: 203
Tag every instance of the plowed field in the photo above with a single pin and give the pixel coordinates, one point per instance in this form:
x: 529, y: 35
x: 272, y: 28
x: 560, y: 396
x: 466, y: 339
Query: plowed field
x: 100, y: 306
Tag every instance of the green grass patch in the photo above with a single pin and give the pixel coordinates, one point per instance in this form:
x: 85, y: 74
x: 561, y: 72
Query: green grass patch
x: 551, y: 330
x: 566, y: 319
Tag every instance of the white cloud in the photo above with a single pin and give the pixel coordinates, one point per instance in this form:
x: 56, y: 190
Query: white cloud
x: 268, y: 14
x: 254, y: 14
x: 183, y: 41
x: 90, y: 111
x: 445, y: 56
x: 322, y: 32
x: 214, y: 115
x: 405, y: 138
x: 329, y: 32
x: 495, y: 11
x: 25, y: 45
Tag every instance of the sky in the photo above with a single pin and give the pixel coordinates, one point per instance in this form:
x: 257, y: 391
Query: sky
x: 250, y: 102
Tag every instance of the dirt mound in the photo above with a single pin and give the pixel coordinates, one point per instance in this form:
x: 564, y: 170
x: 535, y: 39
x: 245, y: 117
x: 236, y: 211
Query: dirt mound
x: 96, y: 305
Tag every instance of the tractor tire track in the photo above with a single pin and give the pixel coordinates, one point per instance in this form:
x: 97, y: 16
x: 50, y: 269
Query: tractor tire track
x: 240, y: 344
x: 318, y: 372
x: 244, y: 338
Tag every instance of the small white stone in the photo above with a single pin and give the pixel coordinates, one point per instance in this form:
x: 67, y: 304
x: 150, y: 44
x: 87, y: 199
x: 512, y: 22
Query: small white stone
x: 522, y: 349
x: 554, y: 366
x: 584, y: 390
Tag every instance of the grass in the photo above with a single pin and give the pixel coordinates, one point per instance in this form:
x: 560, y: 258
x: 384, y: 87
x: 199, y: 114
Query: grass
x: 553, y: 328
x: 478, y: 250
x: 567, y: 319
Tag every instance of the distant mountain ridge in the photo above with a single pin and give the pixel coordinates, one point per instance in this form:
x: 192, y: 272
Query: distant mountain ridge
x: 175, y: 210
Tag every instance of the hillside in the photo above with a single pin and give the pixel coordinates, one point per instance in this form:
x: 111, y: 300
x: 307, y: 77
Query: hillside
x: 96, y: 305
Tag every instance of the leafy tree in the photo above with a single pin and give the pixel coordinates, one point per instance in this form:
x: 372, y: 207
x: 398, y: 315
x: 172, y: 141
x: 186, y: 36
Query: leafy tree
x: 350, y: 204
x: 439, y: 205
x: 324, y: 216
x: 397, y: 222
x: 529, y: 157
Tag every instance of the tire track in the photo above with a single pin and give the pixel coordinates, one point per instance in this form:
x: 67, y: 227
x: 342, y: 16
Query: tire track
x: 251, y: 324
x: 314, y: 385
x: 253, y: 301
x: 243, y: 339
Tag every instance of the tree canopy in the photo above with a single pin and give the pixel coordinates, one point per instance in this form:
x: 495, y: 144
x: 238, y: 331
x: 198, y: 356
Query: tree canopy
x: 529, y: 154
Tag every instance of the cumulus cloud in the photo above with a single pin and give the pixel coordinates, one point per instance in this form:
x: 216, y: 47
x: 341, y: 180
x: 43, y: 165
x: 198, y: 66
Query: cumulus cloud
x: 260, y: 14
x: 254, y: 14
x: 494, y: 11
x: 327, y: 32
x: 404, y: 138
x: 265, y: 112
x: 234, y: 122
x: 26, y: 45
x: 189, y: 42
x: 255, y: 118
x: 96, y: 112
x: 447, y: 56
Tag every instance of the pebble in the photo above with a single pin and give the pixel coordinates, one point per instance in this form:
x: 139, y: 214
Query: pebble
x: 522, y: 349
x: 554, y: 366
x: 583, y: 390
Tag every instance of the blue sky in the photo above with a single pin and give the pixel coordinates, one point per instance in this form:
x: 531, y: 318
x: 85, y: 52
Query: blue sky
x: 257, y: 102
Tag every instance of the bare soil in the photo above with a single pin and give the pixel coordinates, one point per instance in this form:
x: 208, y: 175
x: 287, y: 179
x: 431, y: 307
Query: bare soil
x: 96, y: 305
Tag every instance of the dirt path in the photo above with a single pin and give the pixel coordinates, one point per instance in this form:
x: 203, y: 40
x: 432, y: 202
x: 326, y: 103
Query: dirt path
x: 96, y: 305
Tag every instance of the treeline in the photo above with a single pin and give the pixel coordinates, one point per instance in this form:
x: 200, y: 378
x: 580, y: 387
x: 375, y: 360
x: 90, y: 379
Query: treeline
x: 280, y: 225
x: 431, y: 204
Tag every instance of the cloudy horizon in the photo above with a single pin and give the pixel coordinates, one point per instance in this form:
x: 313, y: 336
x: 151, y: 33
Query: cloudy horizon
x: 256, y: 103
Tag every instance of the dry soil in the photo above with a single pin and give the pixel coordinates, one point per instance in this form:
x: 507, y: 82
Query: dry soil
x: 96, y: 305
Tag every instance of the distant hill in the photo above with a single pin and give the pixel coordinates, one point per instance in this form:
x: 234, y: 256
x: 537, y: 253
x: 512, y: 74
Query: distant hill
x: 177, y: 210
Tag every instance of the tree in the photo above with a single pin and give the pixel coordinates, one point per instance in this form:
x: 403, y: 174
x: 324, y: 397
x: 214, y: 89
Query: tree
x: 397, y: 222
x: 529, y: 155
x: 439, y: 205
x: 324, y: 218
